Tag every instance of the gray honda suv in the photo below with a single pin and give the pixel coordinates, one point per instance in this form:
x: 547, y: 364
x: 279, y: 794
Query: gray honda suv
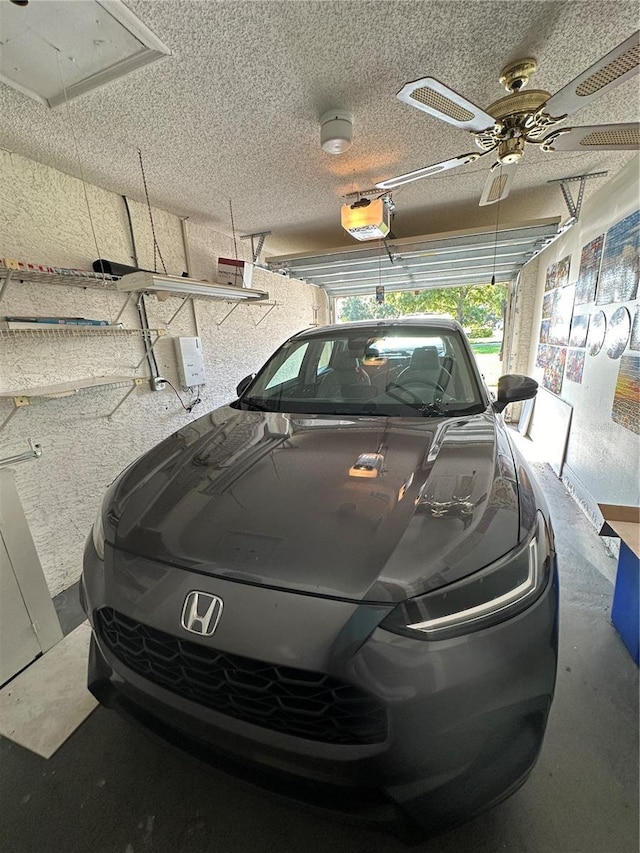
x: 342, y: 585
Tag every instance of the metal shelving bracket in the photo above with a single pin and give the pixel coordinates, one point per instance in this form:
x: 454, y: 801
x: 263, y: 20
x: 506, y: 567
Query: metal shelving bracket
x: 4, y: 284
x: 18, y: 403
x: 137, y: 381
x: 228, y: 314
x: 270, y: 306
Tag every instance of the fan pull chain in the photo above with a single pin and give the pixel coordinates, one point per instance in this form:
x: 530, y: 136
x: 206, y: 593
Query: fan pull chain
x: 82, y: 178
x: 495, y: 241
x: 156, y: 247
x: 233, y: 230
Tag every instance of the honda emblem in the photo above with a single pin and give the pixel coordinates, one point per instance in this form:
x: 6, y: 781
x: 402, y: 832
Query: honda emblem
x: 201, y: 613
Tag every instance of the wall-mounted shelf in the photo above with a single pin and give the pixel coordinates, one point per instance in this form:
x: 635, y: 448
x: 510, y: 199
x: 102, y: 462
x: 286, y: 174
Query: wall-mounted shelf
x: 63, y: 389
x: 80, y: 278
x: 78, y: 332
x: 187, y: 288
x: 22, y: 397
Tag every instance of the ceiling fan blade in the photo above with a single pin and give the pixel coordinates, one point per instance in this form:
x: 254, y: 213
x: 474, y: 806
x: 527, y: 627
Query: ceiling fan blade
x: 392, y: 183
x: 594, y: 137
x: 618, y: 65
x: 498, y: 183
x: 433, y: 97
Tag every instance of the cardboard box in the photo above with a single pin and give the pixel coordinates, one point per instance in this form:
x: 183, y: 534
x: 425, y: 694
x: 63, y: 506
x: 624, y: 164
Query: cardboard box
x: 623, y: 522
x: 234, y: 272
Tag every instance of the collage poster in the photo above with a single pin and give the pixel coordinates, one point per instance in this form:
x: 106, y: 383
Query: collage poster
x: 550, y: 281
x: 562, y: 271
x: 620, y: 262
x: 561, y: 317
x: 556, y: 326
x: 589, y: 268
x: 551, y: 359
x: 579, y: 330
x: 574, y: 365
x: 626, y: 400
x: 634, y: 341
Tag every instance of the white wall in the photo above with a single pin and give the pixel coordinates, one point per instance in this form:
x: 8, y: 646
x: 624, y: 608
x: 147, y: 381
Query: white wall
x: 602, y: 461
x: 44, y: 219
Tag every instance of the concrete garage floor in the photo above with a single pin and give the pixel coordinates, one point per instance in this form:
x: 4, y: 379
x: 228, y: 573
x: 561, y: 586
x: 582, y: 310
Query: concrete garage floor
x: 113, y: 789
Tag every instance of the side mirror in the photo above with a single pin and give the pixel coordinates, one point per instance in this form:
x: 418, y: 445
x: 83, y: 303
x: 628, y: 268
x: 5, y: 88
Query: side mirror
x: 242, y: 386
x: 512, y: 388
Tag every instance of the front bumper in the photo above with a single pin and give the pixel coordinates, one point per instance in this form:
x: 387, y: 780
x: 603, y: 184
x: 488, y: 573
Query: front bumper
x: 466, y: 717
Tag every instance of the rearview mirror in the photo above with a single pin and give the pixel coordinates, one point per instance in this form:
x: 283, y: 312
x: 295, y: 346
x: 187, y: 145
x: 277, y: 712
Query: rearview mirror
x: 512, y: 388
x: 242, y: 386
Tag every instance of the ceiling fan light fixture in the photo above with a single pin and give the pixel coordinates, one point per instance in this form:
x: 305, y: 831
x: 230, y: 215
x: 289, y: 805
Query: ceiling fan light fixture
x: 336, y: 131
x: 511, y: 150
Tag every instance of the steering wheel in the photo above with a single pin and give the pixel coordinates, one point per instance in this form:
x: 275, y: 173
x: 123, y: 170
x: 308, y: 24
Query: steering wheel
x: 415, y: 390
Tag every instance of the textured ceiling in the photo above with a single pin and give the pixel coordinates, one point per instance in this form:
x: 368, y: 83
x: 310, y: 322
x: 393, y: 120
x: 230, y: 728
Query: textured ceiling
x: 234, y: 112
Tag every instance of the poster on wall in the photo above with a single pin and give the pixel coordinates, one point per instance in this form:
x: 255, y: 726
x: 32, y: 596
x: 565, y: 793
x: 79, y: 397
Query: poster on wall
x: 543, y: 355
x: 550, y: 281
x: 589, y: 269
x: 562, y: 271
x: 618, y: 330
x: 579, y: 329
x: 554, y: 371
x: 561, y: 317
x: 544, y: 331
x: 626, y: 399
x: 620, y: 262
x: 597, y: 331
x: 634, y: 342
x: 549, y: 303
x: 574, y: 367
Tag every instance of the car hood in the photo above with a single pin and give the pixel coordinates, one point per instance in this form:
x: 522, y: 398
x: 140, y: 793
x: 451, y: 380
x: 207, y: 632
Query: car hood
x: 287, y: 501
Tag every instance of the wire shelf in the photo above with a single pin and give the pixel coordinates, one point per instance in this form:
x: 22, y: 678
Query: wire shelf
x: 72, y: 387
x: 79, y: 332
x: 79, y: 278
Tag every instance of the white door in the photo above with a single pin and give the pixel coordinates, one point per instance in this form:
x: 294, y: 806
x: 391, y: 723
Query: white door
x: 18, y: 642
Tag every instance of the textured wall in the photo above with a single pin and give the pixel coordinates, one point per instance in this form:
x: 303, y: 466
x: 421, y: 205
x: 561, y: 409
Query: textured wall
x: 602, y: 459
x: 522, y: 328
x: 43, y: 218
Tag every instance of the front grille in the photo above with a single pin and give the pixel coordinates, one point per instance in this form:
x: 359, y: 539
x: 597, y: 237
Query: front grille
x: 306, y: 704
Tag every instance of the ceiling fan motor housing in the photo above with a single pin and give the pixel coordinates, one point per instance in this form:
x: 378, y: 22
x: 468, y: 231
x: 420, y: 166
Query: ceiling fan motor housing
x: 511, y: 150
x: 515, y: 76
x: 520, y: 114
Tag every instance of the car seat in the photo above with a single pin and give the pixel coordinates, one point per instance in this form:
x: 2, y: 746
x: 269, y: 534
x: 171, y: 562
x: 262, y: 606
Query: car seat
x: 344, y: 376
x: 424, y: 367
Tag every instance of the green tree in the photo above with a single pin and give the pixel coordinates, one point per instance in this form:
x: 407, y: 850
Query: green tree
x: 365, y: 308
x: 473, y: 305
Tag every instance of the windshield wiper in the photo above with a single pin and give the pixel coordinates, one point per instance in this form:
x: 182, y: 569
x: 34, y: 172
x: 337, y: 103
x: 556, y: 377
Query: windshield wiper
x: 252, y: 405
x: 362, y: 412
x: 438, y: 409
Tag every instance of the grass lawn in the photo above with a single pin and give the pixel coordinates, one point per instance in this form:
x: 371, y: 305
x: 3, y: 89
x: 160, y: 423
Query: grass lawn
x: 486, y: 347
x: 489, y: 364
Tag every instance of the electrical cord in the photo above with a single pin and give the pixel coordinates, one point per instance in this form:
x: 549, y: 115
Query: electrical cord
x: 192, y: 405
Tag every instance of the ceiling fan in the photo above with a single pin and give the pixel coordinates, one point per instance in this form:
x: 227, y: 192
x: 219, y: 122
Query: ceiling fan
x: 526, y: 117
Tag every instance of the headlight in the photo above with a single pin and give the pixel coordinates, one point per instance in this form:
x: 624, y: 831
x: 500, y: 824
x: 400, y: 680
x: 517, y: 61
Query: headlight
x: 98, y: 535
x: 491, y: 595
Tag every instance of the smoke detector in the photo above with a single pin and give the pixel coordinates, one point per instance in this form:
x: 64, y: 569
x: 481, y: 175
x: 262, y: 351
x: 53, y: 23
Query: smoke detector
x: 336, y: 131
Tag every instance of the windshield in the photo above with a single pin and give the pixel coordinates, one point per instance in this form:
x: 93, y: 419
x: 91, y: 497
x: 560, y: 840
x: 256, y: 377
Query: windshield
x: 398, y: 373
